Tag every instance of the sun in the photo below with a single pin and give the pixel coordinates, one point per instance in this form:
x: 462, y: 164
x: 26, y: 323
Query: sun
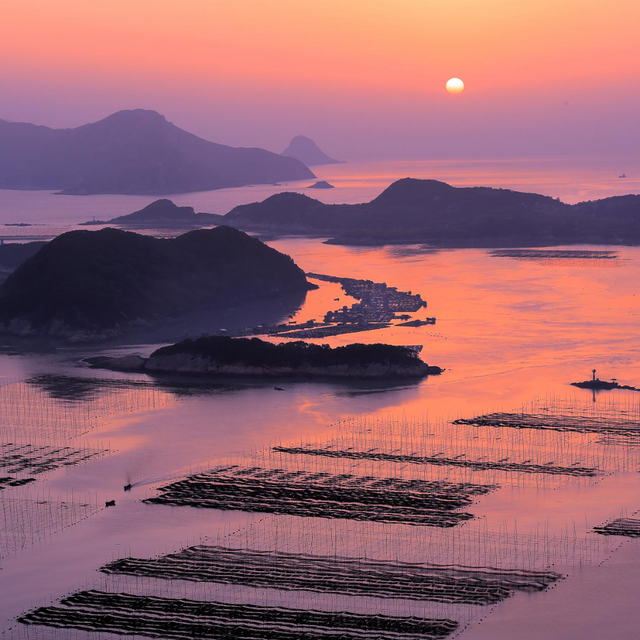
x: 455, y: 85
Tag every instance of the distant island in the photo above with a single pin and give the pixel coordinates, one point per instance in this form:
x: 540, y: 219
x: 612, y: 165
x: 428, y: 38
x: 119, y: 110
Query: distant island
x: 226, y: 356
x: 91, y: 285
x: 308, y: 152
x: 161, y: 213
x: 321, y: 184
x: 430, y: 212
x: 135, y: 152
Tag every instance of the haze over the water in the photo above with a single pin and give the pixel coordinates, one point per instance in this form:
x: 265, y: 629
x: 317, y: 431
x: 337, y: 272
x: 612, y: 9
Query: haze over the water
x: 365, y: 79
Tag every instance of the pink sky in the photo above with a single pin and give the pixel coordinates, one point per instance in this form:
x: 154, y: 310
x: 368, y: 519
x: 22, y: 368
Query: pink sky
x: 365, y: 78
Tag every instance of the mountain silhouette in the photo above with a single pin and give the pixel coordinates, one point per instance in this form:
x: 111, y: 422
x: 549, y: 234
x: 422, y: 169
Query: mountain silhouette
x: 135, y: 152
x: 308, y: 152
x: 434, y: 212
x: 93, y: 284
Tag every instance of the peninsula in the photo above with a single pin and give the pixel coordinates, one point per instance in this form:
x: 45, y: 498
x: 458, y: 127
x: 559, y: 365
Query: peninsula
x: 226, y: 356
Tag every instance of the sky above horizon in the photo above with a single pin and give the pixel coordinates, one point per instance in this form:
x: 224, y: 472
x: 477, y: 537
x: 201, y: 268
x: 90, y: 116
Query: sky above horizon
x: 364, y: 78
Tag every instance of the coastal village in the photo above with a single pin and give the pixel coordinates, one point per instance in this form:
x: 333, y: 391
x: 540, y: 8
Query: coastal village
x: 379, y: 306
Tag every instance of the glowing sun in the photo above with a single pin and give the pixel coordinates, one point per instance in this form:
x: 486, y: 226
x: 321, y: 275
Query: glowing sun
x: 455, y: 85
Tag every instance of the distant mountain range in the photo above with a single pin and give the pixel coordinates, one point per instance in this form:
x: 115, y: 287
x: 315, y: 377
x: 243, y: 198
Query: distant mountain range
x: 132, y: 152
x: 86, y: 285
x: 308, y: 152
x: 432, y: 212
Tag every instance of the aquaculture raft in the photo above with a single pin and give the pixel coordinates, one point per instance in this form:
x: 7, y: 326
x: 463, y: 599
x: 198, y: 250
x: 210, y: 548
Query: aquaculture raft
x: 349, y: 576
x: 621, y: 527
x: 170, y: 619
x: 325, y: 495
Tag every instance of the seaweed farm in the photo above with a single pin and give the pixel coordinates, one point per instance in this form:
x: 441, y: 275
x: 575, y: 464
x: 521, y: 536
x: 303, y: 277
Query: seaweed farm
x: 36, y: 459
x: 28, y: 520
x: 173, y: 618
x: 373, y: 532
x: 323, y: 495
x: 349, y: 576
x: 466, y: 451
x: 58, y: 407
x: 605, y: 419
x: 620, y: 527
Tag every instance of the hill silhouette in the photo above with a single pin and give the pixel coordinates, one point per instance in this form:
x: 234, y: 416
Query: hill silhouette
x: 131, y: 152
x: 308, y: 152
x: 433, y: 212
x: 163, y: 213
x: 95, y: 284
x: 222, y: 355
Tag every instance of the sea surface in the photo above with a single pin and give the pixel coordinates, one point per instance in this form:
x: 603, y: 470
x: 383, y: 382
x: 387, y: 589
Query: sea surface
x: 511, y: 333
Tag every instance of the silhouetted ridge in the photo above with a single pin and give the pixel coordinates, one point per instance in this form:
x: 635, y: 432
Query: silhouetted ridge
x: 307, y: 151
x: 222, y: 355
x: 626, y: 207
x: 100, y: 283
x: 132, y: 152
x: 159, y: 210
x: 412, y: 192
x: 434, y: 212
x: 281, y: 209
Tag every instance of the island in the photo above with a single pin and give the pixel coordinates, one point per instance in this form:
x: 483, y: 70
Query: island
x: 93, y: 285
x: 321, y: 184
x: 435, y: 213
x: 161, y: 213
x: 595, y: 384
x: 308, y: 152
x: 134, y: 152
x: 227, y: 356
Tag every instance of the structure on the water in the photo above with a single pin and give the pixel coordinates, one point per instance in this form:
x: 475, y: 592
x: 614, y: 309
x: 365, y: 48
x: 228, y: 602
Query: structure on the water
x: 602, y: 385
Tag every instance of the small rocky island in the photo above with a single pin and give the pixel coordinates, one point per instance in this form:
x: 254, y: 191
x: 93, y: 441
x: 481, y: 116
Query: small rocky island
x: 602, y: 385
x: 226, y: 356
x: 321, y: 184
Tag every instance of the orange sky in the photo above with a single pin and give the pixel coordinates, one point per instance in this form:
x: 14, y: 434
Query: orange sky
x: 260, y: 71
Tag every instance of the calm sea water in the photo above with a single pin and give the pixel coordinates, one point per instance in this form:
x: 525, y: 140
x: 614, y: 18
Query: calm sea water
x: 510, y: 332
